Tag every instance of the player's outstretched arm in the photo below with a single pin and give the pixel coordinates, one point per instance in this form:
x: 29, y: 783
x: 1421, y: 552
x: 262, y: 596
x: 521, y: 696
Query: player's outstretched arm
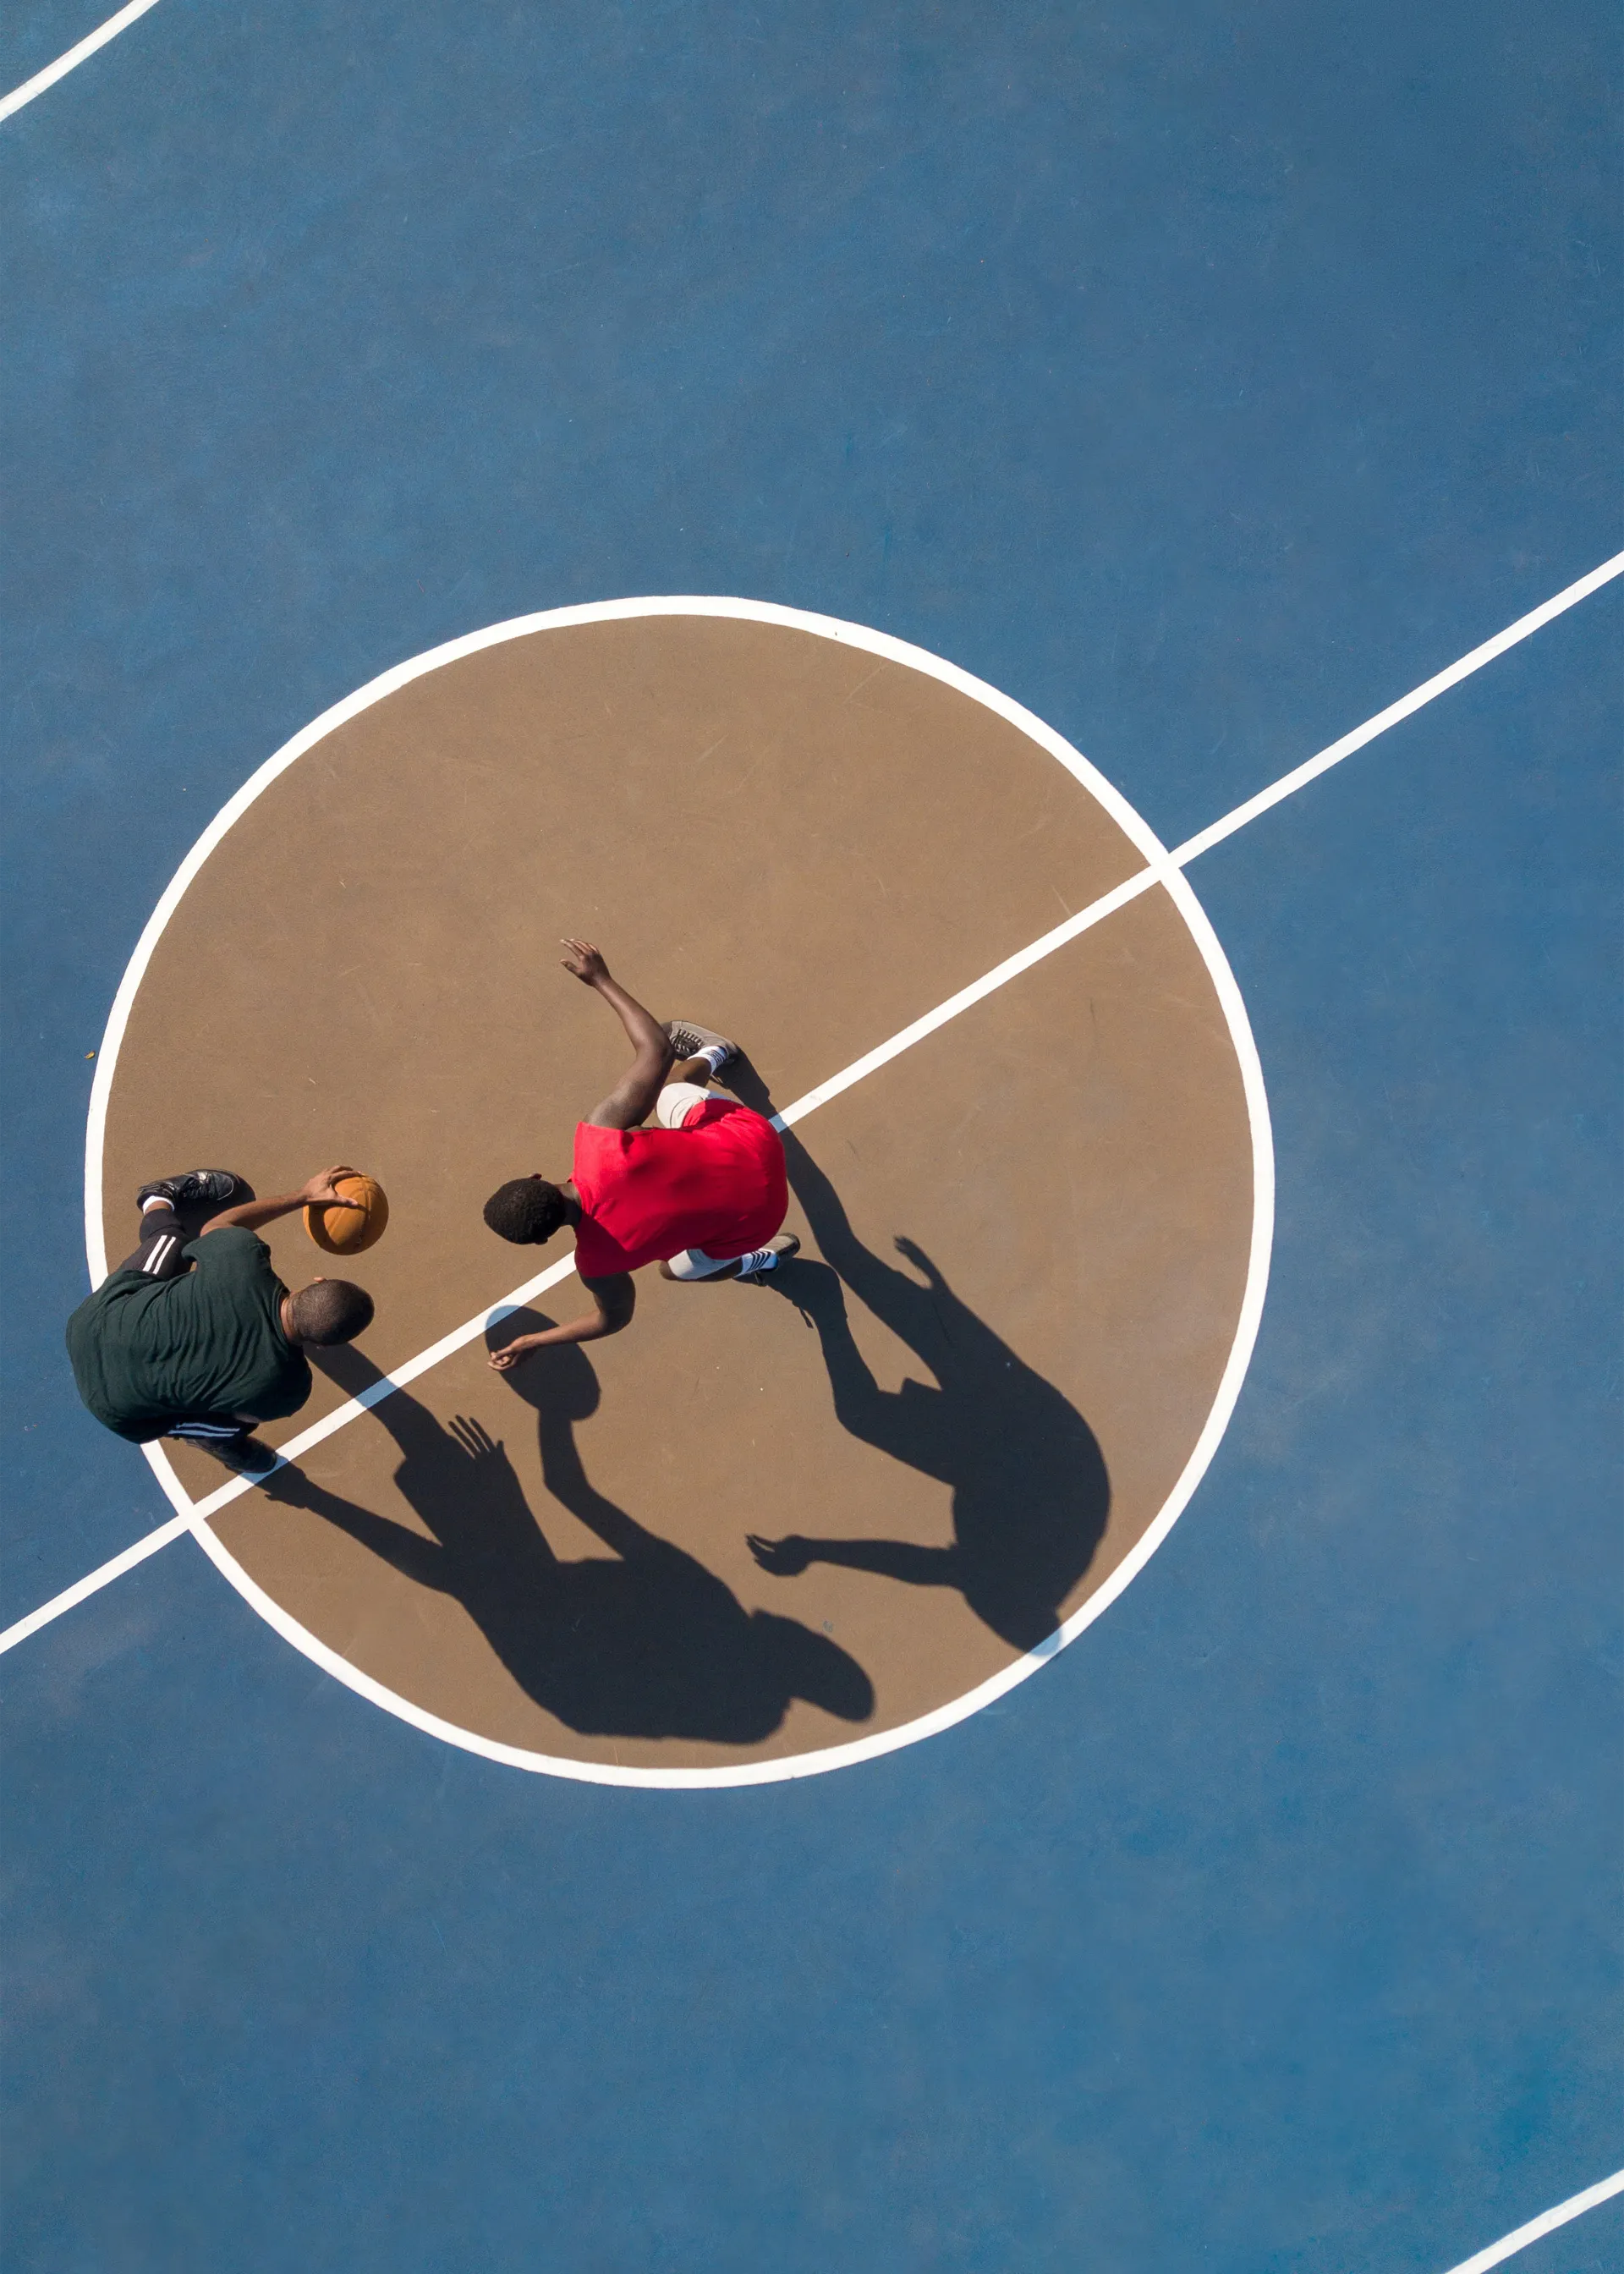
x: 318, y: 1192
x: 629, y: 1101
x: 615, y: 1299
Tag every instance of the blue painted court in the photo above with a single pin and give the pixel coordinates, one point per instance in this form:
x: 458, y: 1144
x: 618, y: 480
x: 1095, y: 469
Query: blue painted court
x: 1200, y: 381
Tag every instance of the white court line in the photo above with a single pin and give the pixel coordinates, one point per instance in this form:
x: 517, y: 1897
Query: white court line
x: 1547, y: 2223
x: 1335, y: 753
x: 977, y: 991
x: 63, y: 65
x: 93, y: 1581
x: 1191, y: 849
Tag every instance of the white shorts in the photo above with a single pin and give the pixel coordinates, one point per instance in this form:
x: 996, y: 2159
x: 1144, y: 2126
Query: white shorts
x: 677, y: 1101
x: 671, y: 1109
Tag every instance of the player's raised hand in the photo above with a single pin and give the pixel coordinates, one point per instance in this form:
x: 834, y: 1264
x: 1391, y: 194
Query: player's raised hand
x: 583, y: 962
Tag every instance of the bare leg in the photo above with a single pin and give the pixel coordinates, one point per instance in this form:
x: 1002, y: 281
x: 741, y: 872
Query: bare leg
x: 710, y: 1279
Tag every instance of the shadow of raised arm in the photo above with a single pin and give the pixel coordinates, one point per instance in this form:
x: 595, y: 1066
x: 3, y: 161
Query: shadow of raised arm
x: 407, y: 1551
x: 560, y: 1383
x: 566, y: 1480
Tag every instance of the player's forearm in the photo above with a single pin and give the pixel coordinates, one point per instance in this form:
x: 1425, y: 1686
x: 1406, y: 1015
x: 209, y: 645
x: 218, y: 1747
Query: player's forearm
x: 320, y: 1191
x: 643, y: 1031
x: 616, y: 1299
x: 590, y: 1328
x: 252, y: 1214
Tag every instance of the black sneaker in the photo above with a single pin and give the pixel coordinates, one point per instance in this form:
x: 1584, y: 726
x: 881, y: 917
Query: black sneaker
x: 191, y: 1188
x: 687, y: 1040
x: 247, y: 1457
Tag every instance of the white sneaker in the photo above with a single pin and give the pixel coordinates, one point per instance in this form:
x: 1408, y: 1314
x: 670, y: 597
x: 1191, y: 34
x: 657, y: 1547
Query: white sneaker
x: 755, y: 1266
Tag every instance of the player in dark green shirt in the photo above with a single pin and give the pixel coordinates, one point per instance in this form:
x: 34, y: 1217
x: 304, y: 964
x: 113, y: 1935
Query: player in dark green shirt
x: 200, y: 1338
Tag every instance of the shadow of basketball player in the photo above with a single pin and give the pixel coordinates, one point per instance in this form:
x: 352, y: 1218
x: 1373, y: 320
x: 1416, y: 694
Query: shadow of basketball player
x: 643, y: 1642
x: 1030, y: 1489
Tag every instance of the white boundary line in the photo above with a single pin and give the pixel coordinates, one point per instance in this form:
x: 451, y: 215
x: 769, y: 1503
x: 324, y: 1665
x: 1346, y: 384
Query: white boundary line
x: 1158, y: 869
x: 1547, y: 2223
x: 74, y: 57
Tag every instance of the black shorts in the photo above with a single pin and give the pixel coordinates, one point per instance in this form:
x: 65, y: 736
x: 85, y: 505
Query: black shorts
x: 162, y: 1253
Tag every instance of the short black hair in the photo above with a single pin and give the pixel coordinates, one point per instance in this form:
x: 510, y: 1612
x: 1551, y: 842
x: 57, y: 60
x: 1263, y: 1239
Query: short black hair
x: 330, y: 1311
x: 527, y: 1211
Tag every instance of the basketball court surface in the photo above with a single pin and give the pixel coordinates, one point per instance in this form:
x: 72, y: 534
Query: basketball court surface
x: 1056, y: 575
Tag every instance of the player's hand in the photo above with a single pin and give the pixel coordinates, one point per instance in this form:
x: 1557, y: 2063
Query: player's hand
x: 583, y: 962
x: 916, y: 1255
x: 785, y: 1558
x: 508, y: 1357
x: 321, y: 1192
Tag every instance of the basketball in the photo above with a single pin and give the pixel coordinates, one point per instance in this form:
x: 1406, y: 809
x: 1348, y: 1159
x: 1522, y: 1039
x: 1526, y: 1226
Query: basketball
x: 347, y: 1231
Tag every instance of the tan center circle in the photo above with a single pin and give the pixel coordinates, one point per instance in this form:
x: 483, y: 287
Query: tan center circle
x: 1026, y: 1238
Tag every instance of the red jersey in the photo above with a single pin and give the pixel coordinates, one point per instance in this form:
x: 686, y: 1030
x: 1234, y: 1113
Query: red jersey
x: 718, y: 1183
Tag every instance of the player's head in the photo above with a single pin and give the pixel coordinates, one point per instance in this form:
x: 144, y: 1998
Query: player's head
x: 528, y: 1211
x: 330, y: 1311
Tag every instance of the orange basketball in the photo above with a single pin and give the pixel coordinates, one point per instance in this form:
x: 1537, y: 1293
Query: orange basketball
x: 347, y: 1231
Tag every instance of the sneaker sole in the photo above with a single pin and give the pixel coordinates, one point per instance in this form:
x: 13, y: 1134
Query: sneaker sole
x: 701, y: 1037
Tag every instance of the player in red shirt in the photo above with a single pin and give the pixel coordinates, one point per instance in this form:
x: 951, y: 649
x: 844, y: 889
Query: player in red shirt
x: 701, y: 1196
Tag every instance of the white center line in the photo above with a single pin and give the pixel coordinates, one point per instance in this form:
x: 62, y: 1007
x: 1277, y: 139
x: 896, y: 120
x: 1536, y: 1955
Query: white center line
x: 93, y: 1581
x: 1428, y: 691
x: 1000, y: 976
x: 74, y: 57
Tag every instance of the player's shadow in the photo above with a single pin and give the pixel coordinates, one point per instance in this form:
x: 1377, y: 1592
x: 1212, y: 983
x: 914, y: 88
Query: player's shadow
x: 644, y: 1642
x: 1031, y: 1492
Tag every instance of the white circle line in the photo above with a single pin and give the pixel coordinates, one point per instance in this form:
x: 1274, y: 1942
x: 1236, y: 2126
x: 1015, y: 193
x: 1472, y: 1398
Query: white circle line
x: 1169, y: 874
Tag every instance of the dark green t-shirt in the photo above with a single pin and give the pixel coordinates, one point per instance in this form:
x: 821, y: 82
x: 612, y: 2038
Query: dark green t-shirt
x: 147, y: 1353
